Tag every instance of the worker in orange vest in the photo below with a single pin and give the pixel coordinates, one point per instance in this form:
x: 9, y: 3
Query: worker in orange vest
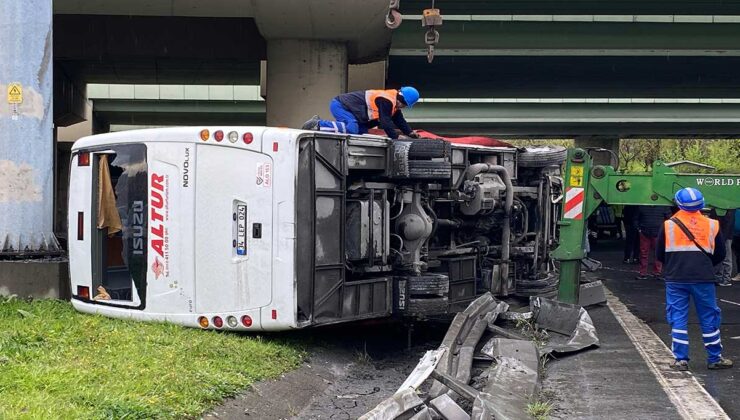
x: 356, y: 112
x: 689, y: 246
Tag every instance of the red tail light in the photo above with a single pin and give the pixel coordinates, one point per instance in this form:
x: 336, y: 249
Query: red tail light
x: 248, y: 138
x: 218, y: 322
x: 274, y: 314
x: 274, y: 147
x: 83, y: 292
x: 83, y: 159
x: 247, y: 321
x: 218, y: 135
x: 80, y: 226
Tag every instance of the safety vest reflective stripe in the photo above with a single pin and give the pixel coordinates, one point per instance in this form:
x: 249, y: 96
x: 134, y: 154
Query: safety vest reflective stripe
x: 371, y: 95
x: 704, y: 229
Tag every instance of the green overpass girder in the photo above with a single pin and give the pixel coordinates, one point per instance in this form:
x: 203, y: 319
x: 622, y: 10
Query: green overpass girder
x: 491, y: 118
x: 576, y: 7
x: 571, y: 38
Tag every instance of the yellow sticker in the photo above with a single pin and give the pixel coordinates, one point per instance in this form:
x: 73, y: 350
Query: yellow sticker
x: 15, y: 93
x: 576, y: 176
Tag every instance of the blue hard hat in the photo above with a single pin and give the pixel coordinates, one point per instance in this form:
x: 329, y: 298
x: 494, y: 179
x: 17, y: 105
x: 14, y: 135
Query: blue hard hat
x: 410, y: 95
x: 689, y: 199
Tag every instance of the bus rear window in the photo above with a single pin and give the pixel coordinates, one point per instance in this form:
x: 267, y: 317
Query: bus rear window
x: 119, y: 253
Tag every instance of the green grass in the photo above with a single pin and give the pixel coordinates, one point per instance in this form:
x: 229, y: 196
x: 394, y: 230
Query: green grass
x: 539, y: 410
x: 57, y: 363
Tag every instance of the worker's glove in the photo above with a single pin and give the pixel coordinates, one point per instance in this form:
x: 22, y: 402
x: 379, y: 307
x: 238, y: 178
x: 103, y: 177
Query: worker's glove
x: 414, y: 135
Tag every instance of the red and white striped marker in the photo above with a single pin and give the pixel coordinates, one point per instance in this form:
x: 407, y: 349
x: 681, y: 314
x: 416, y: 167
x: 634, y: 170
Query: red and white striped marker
x: 573, y: 203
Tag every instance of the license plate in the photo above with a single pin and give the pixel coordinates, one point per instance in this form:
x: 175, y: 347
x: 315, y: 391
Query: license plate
x: 241, y: 229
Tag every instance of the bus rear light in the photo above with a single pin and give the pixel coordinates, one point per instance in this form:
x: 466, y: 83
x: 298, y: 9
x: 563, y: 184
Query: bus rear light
x: 247, y: 138
x: 218, y: 322
x: 80, y: 226
x: 218, y: 135
x: 274, y: 146
x: 83, y: 159
x: 274, y: 314
x: 83, y: 292
x: 231, y: 320
x: 203, y: 322
x: 247, y: 321
x: 205, y: 134
x: 233, y: 136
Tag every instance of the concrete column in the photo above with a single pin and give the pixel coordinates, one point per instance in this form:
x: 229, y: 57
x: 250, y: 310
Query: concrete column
x: 26, y: 136
x: 603, y: 142
x: 302, y: 78
x: 366, y: 76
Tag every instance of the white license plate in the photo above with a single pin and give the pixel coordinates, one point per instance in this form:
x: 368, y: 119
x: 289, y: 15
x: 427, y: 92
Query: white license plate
x: 241, y: 229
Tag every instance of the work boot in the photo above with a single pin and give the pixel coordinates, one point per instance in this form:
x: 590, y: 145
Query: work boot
x: 681, y: 365
x: 642, y: 277
x: 721, y: 364
x: 736, y: 278
x: 725, y: 283
x: 312, y: 124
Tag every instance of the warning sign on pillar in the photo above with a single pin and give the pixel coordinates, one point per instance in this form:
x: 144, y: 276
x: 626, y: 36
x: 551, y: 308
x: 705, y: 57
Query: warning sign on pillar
x: 15, y: 93
x: 15, y: 97
x: 573, y: 204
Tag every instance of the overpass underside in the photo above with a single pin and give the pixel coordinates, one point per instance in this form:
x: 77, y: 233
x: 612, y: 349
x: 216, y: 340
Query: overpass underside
x: 526, y: 68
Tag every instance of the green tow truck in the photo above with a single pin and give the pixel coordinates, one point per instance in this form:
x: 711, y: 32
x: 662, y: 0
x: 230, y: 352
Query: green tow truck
x: 588, y: 185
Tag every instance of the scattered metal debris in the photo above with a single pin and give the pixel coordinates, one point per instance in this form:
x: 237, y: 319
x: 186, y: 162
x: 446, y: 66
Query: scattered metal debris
x: 440, y: 386
x: 572, y: 324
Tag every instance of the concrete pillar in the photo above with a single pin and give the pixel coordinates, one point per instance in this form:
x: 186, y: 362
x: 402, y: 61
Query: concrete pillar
x: 302, y: 78
x: 366, y: 76
x: 26, y: 136
x: 603, y: 142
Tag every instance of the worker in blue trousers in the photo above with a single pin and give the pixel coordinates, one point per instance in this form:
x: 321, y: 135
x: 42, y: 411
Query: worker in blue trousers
x: 356, y: 112
x: 689, y: 246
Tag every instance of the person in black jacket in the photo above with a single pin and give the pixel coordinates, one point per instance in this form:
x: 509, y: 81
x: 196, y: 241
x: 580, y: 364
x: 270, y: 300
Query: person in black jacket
x: 631, y: 235
x: 690, y: 245
x: 647, y: 221
x: 723, y: 271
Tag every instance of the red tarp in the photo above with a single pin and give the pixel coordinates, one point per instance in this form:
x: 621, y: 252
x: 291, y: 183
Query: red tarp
x: 476, y: 140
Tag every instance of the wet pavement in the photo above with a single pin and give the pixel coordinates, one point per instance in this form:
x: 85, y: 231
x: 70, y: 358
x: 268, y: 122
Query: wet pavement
x: 610, y: 382
x: 646, y: 300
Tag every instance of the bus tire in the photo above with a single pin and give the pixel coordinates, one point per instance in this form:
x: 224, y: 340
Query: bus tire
x: 539, y: 157
x: 429, y: 169
x: 429, y: 149
x: 428, y: 284
x: 422, y: 308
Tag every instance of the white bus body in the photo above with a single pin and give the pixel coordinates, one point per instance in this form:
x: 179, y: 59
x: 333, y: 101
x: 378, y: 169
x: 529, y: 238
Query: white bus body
x: 258, y: 228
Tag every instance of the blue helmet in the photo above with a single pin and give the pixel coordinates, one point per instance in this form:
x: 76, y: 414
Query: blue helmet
x: 689, y: 199
x: 410, y: 95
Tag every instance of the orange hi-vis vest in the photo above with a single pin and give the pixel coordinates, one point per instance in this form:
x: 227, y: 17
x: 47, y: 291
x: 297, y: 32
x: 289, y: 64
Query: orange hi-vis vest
x: 372, y: 109
x: 703, y: 228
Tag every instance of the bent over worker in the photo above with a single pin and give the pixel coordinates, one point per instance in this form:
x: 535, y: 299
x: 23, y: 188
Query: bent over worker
x: 356, y: 112
x: 689, y: 246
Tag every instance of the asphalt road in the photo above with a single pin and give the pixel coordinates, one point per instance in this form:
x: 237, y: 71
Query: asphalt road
x: 646, y: 300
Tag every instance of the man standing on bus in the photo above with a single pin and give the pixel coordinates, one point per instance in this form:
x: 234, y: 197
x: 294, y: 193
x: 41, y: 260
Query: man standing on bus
x: 356, y: 112
x: 690, y: 245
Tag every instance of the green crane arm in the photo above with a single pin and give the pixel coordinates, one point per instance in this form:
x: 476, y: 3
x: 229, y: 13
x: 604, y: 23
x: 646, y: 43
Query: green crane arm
x: 587, y: 186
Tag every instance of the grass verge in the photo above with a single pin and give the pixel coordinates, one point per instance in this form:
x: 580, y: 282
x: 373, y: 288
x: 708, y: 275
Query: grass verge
x: 539, y: 410
x: 57, y: 363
